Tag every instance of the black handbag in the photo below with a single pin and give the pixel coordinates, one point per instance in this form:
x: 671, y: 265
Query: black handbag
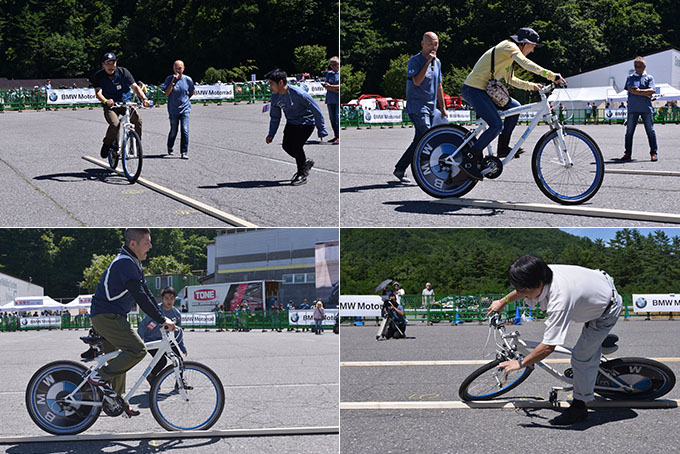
x: 498, y: 92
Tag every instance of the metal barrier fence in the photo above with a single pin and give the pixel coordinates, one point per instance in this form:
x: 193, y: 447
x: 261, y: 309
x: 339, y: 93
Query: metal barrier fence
x: 233, y: 321
x: 36, y: 98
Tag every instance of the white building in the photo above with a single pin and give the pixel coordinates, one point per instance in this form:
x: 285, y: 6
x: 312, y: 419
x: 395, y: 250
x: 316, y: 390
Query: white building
x: 664, y: 66
x: 12, y: 287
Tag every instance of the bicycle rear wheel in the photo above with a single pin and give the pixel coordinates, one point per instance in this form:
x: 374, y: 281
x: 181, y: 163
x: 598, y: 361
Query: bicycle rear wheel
x: 48, y: 386
x: 432, y: 174
x: 489, y: 382
x: 131, y: 155
x: 650, y: 379
x: 568, y: 183
x: 205, y: 398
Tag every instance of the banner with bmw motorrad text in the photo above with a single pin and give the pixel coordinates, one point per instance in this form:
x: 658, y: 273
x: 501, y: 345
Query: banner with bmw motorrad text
x: 217, y: 91
x: 313, y: 88
x: 656, y: 302
x: 382, y: 116
x: 40, y: 322
x: 360, y: 305
x: 70, y: 96
x: 198, y: 319
x: 306, y: 317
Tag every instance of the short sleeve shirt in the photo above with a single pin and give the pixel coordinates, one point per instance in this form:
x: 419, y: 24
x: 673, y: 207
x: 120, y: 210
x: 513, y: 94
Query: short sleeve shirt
x: 178, y: 100
x: 333, y: 78
x: 422, y: 98
x: 636, y: 103
x: 576, y: 294
x: 428, y: 295
x: 117, y: 88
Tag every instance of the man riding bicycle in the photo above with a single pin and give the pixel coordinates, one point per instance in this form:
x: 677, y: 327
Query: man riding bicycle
x: 568, y: 294
x: 112, y: 85
x: 120, y: 287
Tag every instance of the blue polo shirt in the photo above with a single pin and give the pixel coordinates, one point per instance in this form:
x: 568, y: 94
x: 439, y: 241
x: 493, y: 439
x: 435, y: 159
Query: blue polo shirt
x: 178, y: 100
x: 422, y: 98
x: 333, y: 78
x: 117, y: 88
x: 299, y: 108
x: 636, y: 103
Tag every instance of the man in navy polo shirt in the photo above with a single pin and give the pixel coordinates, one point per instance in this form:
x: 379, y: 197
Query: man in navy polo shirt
x: 179, y: 88
x: 112, y: 84
x: 120, y: 287
x: 423, y: 92
x: 640, y: 86
x: 332, y: 86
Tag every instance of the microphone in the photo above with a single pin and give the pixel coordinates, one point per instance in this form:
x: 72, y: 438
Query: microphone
x: 432, y: 63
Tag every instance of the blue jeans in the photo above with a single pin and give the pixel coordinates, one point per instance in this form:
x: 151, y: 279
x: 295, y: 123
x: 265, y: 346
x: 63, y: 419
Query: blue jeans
x: 334, y: 114
x: 421, y: 122
x: 319, y: 325
x: 631, y: 123
x: 175, y: 120
x: 485, y: 108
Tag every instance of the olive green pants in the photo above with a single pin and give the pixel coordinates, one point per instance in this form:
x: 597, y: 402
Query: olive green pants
x: 119, y: 335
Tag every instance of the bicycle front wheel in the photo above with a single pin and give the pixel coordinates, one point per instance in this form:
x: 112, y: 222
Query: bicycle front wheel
x: 568, y: 178
x: 204, y: 403
x: 113, y: 158
x: 434, y: 176
x: 44, y: 394
x: 132, y: 156
x: 489, y: 382
x: 650, y: 379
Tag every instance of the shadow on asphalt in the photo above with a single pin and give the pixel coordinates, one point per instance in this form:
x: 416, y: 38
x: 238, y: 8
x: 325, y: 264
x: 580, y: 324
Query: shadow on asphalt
x: 596, y: 417
x: 427, y: 207
x: 118, y: 447
x: 248, y: 184
x: 100, y: 174
x: 388, y: 185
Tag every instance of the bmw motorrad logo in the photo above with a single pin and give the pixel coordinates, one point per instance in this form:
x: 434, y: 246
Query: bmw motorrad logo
x: 53, y: 96
x: 368, y: 116
x: 24, y: 322
x: 641, y: 303
x: 294, y: 318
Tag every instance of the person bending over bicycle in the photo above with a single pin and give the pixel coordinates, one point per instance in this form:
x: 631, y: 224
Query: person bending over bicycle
x: 120, y: 287
x: 568, y: 294
x: 112, y: 85
x: 505, y: 55
x: 150, y: 331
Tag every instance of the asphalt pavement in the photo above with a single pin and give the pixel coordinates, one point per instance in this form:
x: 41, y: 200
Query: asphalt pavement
x: 46, y: 181
x: 371, y: 196
x: 271, y: 380
x: 475, y: 430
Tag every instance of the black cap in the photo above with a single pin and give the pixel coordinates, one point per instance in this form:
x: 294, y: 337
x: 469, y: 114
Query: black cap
x: 527, y: 35
x: 108, y: 57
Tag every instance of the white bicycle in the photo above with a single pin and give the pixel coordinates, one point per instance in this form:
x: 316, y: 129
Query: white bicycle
x: 129, y: 144
x: 184, y: 395
x: 621, y: 378
x: 567, y: 163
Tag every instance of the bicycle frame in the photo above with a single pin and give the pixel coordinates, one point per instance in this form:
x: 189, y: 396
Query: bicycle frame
x: 512, y: 342
x: 543, y: 111
x: 164, y: 346
x: 124, y: 122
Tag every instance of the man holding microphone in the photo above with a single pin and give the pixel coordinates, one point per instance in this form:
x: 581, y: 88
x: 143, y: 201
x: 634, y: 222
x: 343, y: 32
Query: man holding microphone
x: 179, y: 89
x: 424, y: 92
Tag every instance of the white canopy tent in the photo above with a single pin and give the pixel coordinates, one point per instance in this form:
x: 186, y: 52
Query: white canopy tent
x: 576, y: 98
x: 80, y: 302
x: 33, y: 303
x: 666, y: 92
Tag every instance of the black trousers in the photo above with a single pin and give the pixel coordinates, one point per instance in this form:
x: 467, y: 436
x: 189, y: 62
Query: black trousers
x: 161, y: 363
x: 294, y: 138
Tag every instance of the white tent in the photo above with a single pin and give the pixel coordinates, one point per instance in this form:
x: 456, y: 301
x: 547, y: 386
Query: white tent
x: 80, y: 302
x: 33, y: 303
x: 665, y: 91
x: 576, y: 98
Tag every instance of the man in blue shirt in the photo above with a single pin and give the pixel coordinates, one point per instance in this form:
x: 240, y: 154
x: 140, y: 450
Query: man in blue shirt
x: 302, y: 114
x: 112, y: 85
x: 423, y: 91
x: 640, y: 86
x: 179, y: 88
x: 120, y: 287
x: 332, y: 86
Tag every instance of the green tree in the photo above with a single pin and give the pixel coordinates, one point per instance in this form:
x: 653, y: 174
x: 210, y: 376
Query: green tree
x: 394, y: 80
x: 452, y: 80
x: 166, y: 264
x: 212, y: 75
x: 351, y: 83
x: 310, y: 59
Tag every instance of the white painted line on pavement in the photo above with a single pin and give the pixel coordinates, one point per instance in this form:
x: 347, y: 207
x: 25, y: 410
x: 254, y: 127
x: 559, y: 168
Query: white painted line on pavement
x: 504, y: 403
x: 207, y: 209
x: 462, y: 362
x: 278, y: 431
x: 564, y: 209
x: 665, y: 173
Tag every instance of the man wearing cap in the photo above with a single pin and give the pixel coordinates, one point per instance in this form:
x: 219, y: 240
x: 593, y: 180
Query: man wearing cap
x: 179, y: 88
x: 424, y: 92
x: 505, y: 54
x: 112, y: 85
x: 640, y: 86
x: 428, y: 295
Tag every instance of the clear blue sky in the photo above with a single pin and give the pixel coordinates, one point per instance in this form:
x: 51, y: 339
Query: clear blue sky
x: 608, y: 234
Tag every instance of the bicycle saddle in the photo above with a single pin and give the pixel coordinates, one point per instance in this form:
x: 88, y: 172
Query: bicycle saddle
x: 609, y: 344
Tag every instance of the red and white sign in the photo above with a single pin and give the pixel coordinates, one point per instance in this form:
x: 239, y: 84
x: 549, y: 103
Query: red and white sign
x: 205, y: 294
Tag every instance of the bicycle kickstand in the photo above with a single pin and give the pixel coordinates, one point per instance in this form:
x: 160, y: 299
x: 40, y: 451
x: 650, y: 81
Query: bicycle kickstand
x: 555, y: 390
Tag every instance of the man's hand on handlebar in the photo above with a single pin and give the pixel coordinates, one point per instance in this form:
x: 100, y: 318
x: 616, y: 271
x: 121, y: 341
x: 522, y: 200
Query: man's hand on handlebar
x: 169, y: 324
x: 496, y: 306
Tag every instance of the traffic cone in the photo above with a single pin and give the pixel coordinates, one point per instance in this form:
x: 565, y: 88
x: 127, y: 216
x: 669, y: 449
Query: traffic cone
x: 458, y: 321
x: 518, y: 318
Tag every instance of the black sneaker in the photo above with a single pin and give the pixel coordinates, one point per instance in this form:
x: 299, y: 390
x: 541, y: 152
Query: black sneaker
x: 170, y: 150
x: 401, y: 176
x: 298, y: 179
x: 184, y: 155
x: 571, y: 415
x: 625, y: 158
x: 104, y: 152
x: 308, y: 166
